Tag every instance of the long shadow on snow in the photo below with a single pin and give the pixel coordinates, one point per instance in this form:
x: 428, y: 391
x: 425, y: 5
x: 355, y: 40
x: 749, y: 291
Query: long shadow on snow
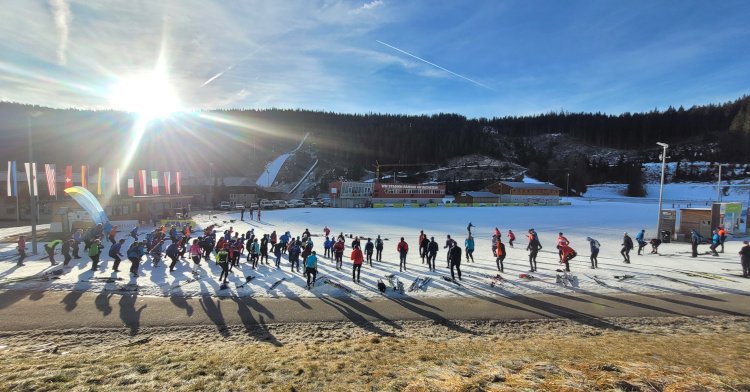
x: 418, y: 307
x: 128, y: 313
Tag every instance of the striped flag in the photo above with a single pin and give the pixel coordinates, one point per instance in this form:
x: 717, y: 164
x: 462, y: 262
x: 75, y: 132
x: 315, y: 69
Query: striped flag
x: 31, y: 178
x: 167, y: 176
x: 68, y: 176
x: 177, y: 184
x: 131, y: 187
x: 49, y: 170
x: 12, y: 187
x: 99, y: 183
x: 155, y: 182
x: 142, y: 179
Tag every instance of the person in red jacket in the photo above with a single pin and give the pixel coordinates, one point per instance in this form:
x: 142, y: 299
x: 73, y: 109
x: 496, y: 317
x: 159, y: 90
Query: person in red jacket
x: 21, y: 250
x: 567, y: 254
x: 511, y: 238
x: 338, y: 253
x: 356, y: 263
x: 403, y: 249
x: 327, y: 231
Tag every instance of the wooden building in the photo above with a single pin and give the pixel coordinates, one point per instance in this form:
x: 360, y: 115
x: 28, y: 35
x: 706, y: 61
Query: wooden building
x: 477, y: 197
x: 698, y: 219
x: 523, y: 192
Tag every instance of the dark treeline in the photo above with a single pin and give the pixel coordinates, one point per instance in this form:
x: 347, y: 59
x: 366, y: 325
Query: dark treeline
x: 239, y: 142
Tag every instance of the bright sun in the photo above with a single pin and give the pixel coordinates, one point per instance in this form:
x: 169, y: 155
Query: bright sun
x: 150, y: 96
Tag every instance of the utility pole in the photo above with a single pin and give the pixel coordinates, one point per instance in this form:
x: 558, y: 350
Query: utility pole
x: 661, y: 188
x: 718, y: 186
x: 33, y: 178
x: 210, y: 186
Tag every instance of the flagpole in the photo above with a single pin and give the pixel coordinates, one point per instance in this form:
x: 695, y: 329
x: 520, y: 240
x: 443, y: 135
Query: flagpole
x: 31, y: 178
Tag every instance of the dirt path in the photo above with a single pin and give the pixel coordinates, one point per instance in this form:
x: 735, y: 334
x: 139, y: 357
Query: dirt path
x: 24, y: 310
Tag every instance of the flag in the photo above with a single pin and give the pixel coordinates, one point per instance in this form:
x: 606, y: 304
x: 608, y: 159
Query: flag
x: 142, y: 179
x: 68, y: 177
x: 49, y: 170
x: 177, y: 183
x: 83, y: 176
x: 12, y: 187
x: 166, y: 182
x: 155, y: 182
x: 116, y: 181
x: 31, y: 178
x: 99, y: 183
x: 131, y: 187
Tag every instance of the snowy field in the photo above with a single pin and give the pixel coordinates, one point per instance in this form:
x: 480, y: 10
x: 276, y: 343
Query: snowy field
x: 605, y: 221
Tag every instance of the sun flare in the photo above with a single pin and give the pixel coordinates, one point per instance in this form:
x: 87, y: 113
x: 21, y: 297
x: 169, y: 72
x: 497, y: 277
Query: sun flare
x: 150, y: 96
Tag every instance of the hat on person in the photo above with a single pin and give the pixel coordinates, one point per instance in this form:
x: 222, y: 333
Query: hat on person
x: 626, y: 233
x: 588, y: 238
x: 746, y: 243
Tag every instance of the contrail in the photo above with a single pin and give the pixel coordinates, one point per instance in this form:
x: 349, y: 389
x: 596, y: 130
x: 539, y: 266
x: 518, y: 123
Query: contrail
x: 232, y: 66
x: 436, y: 66
x: 63, y: 16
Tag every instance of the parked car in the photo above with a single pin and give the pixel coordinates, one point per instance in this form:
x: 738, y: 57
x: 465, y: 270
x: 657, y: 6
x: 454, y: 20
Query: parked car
x: 224, y: 205
x: 326, y: 202
x: 254, y: 206
x: 239, y: 206
x: 266, y: 204
x: 279, y: 204
x: 294, y: 203
x: 308, y: 201
x: 316, y: 203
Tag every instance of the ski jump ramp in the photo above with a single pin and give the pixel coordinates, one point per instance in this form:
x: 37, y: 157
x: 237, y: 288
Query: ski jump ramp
x: 272, y: 170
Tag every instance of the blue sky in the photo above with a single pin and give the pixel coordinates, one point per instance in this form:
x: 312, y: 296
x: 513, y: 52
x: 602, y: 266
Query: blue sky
x: 497, y: 57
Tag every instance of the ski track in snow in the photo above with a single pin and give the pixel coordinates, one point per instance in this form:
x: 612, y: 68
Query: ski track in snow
x: 605, y: 221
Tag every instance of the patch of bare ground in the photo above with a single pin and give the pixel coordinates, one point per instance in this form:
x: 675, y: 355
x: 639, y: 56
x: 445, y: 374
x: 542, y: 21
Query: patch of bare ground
x: 625, y: 354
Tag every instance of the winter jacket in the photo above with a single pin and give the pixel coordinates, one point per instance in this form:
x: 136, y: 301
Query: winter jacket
x: 379, y: 244
x: 172, y: 249
x: 402, y: 248
x: 195, y: 250
x: 455, y: 255
x: 312, y: 262
x: 369, y: 246
x: 449, y: 243
x: 357, y: 256
x: 469, y: 243
x: 627, y: 242
x: 294, y: 253
x: 717, y: 238
x: 95, y: 249
x: 222, y: 257
x: 328, y: 244
x: 500, y: 248
x: 433, y: 248
x: 113, y: 250
x: 425, y: 243
x: 745, y: 253
x: 136, y: 251
x: 307, y: 251
x: 338, y: 247
x: 534, y: 245
x: 566, y: 250
x: 639, y: 238
x: 594, y: 245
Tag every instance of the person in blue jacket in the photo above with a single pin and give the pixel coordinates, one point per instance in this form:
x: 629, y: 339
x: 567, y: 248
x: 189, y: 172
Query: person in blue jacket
x: 469, y: 245
x: 716, y: 243
x: 641, y: 239
x: 594, y: 251
x: 135, y: 252
x: 327, y: 245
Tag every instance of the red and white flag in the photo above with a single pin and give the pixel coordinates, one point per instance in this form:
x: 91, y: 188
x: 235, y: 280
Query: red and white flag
x: 167, y: 176
x: 178, y: 180
x: 84, y: 174
x: 49, y: 170
x: 142, y: 179
x: 131, y: 187
x: 155, y: 182
x: 31, y: 178
x: 68, y: 176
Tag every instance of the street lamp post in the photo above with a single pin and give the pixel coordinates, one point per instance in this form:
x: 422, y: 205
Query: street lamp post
x: 718, y: 186
x: 29, y: 115
x: 567, y: 187
x: 210, y: 186
x: 268, y: 178
x: 661, y: 188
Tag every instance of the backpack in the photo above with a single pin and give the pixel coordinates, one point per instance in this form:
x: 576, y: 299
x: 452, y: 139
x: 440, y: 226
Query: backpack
x: 381, y: 286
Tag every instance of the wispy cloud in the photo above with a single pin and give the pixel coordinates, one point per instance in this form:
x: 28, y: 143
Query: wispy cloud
x: 63, y: 17
x: 436, y: 66
x: 368, y: 6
